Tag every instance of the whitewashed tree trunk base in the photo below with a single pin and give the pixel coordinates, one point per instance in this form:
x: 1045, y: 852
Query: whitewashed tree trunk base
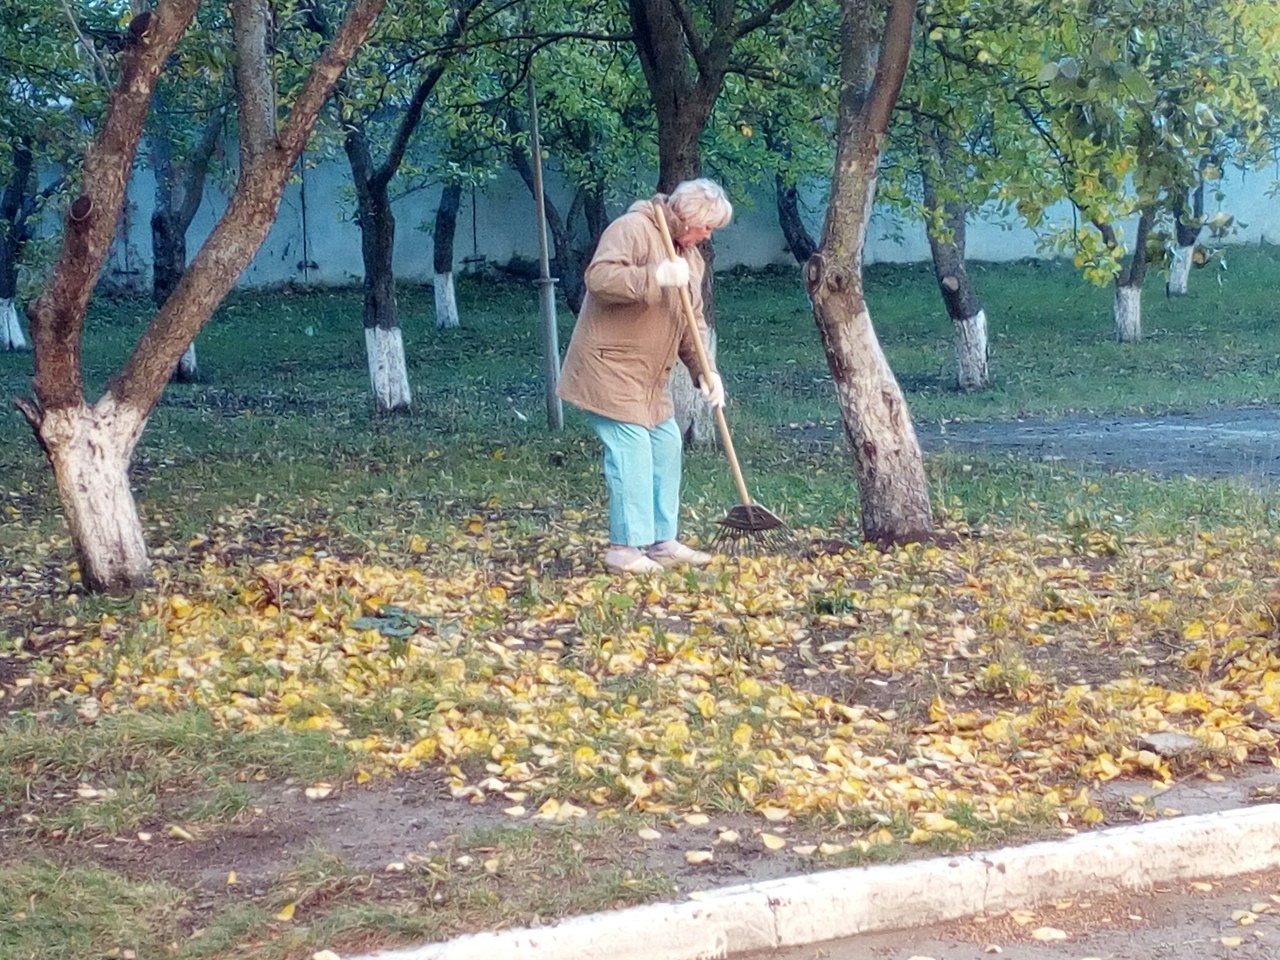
x: 11, y: 337
x: 971, y: 352
x: 446, y: 302
x: 188, y: 368
x: 1180, y: 270
x: 694, y: 417
x: 89, y: 450
x: 1128, y: 313
x: 387, y: 371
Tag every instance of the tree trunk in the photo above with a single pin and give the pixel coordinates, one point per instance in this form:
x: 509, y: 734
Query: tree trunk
x: 1128, y: 312
x: 446, y: 297
x: 888, y: 464
x: 177, y: 198
x: 1180, y: 269
x: 384, y: 347
x: 15, y: 211
x: 384, y: 344
x: 188, y: 369
x: 11, y: 337
x: 88, y: 447
x: 799, y: 242
x: 1187, y: 227
x: 255, y: 86
x: 168, y: 241
x: 442, y: 240
x: 567, y: 265
x: 1128, y: 299
x: 945, y: 221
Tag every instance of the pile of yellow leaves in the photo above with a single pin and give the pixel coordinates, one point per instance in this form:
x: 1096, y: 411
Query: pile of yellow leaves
x: 1002, y: 676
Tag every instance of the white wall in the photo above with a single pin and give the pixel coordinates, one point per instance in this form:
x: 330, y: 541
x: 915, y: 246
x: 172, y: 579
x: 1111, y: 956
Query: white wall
x: 504, y: 227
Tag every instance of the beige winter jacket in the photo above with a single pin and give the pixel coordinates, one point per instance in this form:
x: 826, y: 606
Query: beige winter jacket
x: 630, y: 330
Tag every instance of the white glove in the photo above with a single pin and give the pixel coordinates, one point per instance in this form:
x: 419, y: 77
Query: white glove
x: 713, y: 391
x: 673, y: 273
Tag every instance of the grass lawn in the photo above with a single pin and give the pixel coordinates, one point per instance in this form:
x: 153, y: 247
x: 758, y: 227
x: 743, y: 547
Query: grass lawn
x: 383, y: 692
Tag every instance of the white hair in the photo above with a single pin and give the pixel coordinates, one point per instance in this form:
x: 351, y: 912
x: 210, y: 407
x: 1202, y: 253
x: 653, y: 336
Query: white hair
x: 701, y: 203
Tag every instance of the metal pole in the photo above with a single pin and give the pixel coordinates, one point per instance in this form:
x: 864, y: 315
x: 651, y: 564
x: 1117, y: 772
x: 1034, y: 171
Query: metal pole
x: 546, y: 283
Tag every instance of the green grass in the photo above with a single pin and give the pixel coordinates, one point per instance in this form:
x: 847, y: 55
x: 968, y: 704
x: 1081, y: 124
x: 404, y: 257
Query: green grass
x: 283, y: 413
x: 150, y: 766
x: 50, y: 912
x: 277, y: 449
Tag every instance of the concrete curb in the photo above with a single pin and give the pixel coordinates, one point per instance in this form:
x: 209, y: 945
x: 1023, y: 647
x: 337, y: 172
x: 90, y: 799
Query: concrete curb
x: 794, y: 911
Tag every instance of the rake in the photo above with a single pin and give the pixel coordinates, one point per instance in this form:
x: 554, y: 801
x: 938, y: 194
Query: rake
x: 748, y: 525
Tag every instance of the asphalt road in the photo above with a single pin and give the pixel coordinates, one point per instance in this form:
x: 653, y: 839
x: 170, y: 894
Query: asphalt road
x: 1237, y: 919
x: 1242, y: 442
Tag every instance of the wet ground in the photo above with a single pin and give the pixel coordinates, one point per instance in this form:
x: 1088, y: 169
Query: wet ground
x: 1243, y: 442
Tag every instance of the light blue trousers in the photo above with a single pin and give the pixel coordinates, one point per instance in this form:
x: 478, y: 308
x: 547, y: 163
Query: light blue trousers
x: 642, y: 473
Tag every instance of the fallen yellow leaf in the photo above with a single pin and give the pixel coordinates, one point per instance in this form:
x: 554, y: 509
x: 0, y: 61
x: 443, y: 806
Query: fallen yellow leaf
x: 1048, y: 933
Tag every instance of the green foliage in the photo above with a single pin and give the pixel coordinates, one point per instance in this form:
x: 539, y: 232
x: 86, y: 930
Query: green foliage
x: 777, y: 118
x: 1134, y: 103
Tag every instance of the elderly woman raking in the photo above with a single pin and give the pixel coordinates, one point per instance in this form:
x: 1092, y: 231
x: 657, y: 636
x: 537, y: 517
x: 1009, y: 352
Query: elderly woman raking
x: 629, y: 333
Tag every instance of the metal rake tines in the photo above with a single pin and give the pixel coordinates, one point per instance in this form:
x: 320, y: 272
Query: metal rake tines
x: 751, y: 529
x: 750, y: 519
x: 736, y: 543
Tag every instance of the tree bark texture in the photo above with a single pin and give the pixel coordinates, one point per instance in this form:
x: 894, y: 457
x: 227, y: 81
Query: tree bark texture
x: 388, y: 378
x: 17, y: 209
x: 1128, y: 299
x: 255, y: 89
x: 446, y: 230
x: 384, y: 346
x: 57, y: 315
x: 693, y: 415
x: 11, y: 337
x: 377, y: 235
x: 945, y: 222
x: 888, y: 464
x: 446, y: 227
x: 801, y: 245
x: 1180, y: 270
x: 179, y: 188
x: 683, y: 96
x: 245, y: 224
x: 88, y: 447
x: 1127, y: 308
x: 446, y: 297
x: 1188, y: 223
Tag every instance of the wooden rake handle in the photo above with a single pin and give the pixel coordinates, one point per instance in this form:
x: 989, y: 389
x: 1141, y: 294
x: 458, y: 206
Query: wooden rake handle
x: 726, y: 439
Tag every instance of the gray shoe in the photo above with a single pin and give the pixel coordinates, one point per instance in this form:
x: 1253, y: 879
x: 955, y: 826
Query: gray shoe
x: 671, y: 553
x: 629, y: 560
